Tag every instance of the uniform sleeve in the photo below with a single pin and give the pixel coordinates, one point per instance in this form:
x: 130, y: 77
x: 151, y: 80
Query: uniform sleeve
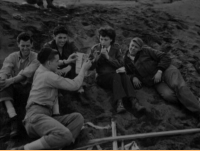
x: 162, y: 58
x: 7, y: 68
x: 59, y: 82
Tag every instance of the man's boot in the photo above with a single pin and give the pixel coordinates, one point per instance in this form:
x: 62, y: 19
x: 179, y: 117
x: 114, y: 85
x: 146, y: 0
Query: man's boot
x: 120, y: 107
x: 14, y: 127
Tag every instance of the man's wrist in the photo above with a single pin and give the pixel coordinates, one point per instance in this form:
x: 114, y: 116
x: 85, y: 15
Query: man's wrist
x: 134, y: 78
x: 66, y: 62
x: 11, y: 81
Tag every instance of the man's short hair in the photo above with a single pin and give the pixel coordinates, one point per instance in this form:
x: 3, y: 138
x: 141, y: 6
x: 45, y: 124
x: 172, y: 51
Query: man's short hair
x: 60, y: 30
x: 24, y: 36
x: 138, y: 41
x: 108, y: 32
x: 46, y: 54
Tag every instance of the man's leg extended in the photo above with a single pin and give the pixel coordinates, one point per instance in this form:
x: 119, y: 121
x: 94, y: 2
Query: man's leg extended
x: 175, y: 81
x: 166, y: 93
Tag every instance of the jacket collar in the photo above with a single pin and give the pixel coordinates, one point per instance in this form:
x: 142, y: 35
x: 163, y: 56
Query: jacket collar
x: 53, y: 44
x: 136, y: 56
x: 110, y: 48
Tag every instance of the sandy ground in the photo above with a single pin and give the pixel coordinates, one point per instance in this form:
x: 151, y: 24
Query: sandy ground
x: 170, y: 27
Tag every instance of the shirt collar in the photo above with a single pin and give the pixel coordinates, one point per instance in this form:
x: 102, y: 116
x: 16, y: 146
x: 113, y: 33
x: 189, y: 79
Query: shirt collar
x: 20, y: 56
x: 43, y: 68
x: 109, y: 48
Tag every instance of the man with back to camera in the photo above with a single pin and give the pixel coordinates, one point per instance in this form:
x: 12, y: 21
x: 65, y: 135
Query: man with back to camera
x: 42, y: 118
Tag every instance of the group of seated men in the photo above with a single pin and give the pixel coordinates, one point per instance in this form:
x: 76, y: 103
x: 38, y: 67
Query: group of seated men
x: 53, y: 68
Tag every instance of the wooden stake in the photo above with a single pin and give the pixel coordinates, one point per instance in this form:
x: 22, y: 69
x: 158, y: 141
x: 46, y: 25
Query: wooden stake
x: 114, y: 134
x: 122, y: 148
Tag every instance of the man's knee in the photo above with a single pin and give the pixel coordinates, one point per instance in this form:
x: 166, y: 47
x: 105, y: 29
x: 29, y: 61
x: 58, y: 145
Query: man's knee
x: 79, y: 118
x: 59, y: 139
x: 169, y: 96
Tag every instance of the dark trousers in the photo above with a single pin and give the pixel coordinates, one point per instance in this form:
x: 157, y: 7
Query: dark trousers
x: 119, y: 84
x: 18, y: 94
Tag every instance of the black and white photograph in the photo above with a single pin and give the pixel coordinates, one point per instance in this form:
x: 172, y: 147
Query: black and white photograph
x: 100, y: 74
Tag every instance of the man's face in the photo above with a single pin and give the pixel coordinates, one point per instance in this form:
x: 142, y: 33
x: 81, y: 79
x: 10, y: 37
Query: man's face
x: 60, y: 40
x: 105, y: 41
x: 53, y: 64
x: 134, y: 48
x: 25, y: 47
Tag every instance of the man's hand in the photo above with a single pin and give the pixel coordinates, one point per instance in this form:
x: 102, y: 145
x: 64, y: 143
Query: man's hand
x: 136, y: 82
x: 158, y: 76
x: 104, y: 52
x: 121, y: 70
x: 6, y: 83
x: 71, y: 59
x: 64, y: 71
x: 86, y: 65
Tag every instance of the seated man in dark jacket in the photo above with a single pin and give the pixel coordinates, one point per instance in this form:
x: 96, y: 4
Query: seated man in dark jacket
x: 153, y: 68
x: 65, y: 50
x: 108, y: 60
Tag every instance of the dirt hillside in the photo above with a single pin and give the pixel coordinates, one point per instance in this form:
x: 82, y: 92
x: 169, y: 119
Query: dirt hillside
x: 170, y: 26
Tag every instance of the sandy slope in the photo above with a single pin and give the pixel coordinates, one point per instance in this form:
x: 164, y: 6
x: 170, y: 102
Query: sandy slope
x: 170, y: 27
